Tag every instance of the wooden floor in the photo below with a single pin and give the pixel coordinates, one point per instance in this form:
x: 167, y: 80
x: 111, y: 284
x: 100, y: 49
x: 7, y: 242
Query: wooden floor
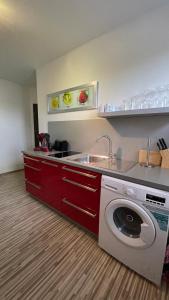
x: 44, y: 256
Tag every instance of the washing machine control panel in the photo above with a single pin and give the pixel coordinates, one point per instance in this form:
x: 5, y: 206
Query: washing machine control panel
x: 129, y: 191
x: 155, y: 199
x: 136, y: 191
x: 151, y: 196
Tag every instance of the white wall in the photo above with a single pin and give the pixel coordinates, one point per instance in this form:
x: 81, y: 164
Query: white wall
x: 13, y: 126
x: 126, y: 61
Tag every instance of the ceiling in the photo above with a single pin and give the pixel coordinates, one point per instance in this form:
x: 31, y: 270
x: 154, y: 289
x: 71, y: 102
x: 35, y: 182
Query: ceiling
x: 34, y: 32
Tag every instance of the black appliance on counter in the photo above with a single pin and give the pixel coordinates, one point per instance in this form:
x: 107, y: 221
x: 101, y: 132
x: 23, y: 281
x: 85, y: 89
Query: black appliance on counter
x: 64, y: 154
x: 61, y: 145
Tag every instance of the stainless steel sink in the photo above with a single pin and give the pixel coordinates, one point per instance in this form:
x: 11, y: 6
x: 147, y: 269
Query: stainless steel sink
x: 104, y: 162
x: 89, y: 158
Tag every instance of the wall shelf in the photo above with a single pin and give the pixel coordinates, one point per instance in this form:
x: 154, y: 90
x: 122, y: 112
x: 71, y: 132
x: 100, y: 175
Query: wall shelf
x: 139, y: 112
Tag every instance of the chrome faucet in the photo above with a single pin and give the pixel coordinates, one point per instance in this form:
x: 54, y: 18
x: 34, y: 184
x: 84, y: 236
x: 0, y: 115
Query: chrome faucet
x: 110, y: 154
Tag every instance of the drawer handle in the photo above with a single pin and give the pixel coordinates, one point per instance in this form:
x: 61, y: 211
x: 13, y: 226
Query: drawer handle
x: 30, y: 158
x: 33, y: 184
x: 79, y: 185
x: 49, y: 164
x: 30, y: 167
x: 79, y: 208
x: 80, y: 173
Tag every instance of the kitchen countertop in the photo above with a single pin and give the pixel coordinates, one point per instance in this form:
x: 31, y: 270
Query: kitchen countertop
x: 153, y: 177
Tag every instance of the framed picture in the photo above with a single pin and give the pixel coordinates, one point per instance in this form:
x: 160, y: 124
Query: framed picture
x: 82, y: 97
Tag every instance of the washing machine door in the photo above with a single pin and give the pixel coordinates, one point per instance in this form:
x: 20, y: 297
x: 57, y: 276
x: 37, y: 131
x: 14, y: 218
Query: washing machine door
x: 130, y: 223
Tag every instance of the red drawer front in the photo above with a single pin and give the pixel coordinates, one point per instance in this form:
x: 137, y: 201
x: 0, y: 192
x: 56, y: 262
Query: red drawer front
x: 51, y: 182
x: 85, y: 218
x: 33, y: 174
x: 80, y: 194
x: 32, y: 161
x: 86, y: 177
x: 54, y: 201
x: 50, y: 170
x: 34, y: 189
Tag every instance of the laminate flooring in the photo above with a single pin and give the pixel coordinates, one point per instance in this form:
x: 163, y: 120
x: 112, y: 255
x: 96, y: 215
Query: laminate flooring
x: 44, y: 256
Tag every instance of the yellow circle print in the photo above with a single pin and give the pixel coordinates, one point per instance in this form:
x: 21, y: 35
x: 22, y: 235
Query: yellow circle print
x: 55, y: 103
x: 67, y: 99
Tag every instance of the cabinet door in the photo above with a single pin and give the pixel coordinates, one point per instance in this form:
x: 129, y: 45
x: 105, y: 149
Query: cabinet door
x: 34, y: 189
x: 81, y: 203
x: 82, y: 176
x: 81, y: 194
x: 32, y: 161
x: 33, y: 174
x: 32, y: 168
x: 85, y: 217
x: 51, y: 181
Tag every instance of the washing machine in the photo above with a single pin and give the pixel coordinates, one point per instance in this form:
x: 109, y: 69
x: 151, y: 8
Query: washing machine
x: 133, y: 225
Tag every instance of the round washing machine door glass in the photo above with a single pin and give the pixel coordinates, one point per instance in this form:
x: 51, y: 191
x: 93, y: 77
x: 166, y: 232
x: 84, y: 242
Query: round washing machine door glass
x: 130, y: 223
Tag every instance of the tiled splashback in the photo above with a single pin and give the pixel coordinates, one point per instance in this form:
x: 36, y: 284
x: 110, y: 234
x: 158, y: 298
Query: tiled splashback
x: 128, y: 134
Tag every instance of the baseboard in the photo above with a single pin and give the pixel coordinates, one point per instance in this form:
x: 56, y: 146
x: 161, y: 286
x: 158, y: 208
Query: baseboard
x: 15, y: 169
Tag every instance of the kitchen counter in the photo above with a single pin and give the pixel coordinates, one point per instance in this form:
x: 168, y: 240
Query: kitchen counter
x: 153, y: 177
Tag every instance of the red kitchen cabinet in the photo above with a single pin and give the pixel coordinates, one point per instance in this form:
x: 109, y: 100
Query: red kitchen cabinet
x: 32, y: 168
x: 43, y: 179
x: 83, y: 176
x: 51, y: 182
x: 34, y: 189
x: 32, y: 161
x: 81, y: 196
x: 88, y: 219
x: 33, y: 174
x: 73, y: 191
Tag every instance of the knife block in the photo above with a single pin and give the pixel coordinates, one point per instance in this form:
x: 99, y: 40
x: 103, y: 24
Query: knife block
x: 165, y: 158
x: 154, y: 157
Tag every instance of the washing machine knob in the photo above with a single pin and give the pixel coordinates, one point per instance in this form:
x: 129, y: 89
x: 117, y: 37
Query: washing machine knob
x: 130, y: 192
